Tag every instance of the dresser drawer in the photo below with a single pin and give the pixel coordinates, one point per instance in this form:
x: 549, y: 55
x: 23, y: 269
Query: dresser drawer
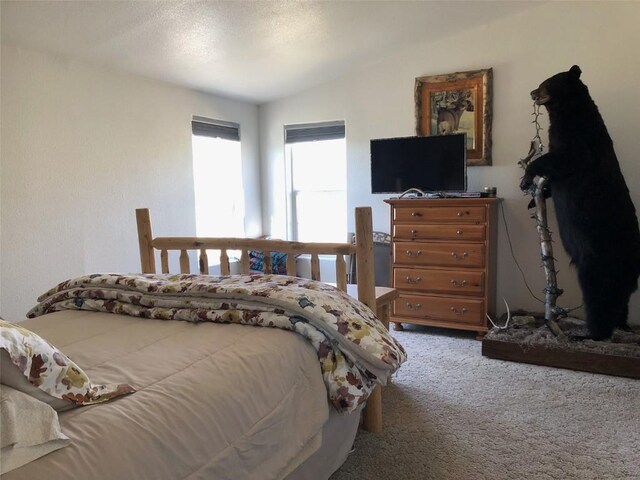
x: 459, y: 310
x: 439, y: 254
x: 457, y: 214
x: 439, y: 232
x: 457, y: 282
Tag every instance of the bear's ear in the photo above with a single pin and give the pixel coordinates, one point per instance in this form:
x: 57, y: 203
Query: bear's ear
x: 576, y: 70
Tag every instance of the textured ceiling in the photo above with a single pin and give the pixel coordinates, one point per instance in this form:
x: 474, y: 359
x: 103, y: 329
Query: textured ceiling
x: 251, y: 50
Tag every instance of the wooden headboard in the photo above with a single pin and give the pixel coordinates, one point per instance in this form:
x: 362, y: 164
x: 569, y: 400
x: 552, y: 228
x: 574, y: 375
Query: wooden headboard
x: 363, y: 251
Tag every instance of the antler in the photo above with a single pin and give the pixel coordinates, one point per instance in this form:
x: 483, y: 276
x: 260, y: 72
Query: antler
x: 506, y: 324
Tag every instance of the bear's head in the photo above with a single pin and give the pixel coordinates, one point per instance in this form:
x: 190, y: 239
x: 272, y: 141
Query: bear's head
x: 562, y: 87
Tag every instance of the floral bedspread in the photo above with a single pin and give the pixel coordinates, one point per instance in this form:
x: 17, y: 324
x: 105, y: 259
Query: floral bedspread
x: 354, y: 348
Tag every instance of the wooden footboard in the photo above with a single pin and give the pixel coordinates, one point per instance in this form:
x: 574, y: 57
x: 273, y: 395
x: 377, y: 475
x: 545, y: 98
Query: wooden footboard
x: 362, y: 251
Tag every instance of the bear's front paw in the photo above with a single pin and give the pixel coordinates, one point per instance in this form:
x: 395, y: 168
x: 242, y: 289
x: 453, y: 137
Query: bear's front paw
x: 526, y: 183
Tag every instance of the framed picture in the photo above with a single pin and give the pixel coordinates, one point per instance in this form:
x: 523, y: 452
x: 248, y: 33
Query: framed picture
x: 457, y: 103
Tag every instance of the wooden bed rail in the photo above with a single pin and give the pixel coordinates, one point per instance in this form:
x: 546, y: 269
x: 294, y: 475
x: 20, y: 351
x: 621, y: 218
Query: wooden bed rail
x: 184, y: 245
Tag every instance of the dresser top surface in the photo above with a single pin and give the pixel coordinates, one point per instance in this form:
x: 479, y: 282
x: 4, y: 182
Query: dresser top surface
x: 442, y: 202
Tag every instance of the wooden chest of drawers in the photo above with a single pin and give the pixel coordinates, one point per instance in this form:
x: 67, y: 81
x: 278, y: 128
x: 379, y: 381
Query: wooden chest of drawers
x: 443, y: 260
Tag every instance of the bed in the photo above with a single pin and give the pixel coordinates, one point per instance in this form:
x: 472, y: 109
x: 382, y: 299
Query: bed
x: 215, y: 398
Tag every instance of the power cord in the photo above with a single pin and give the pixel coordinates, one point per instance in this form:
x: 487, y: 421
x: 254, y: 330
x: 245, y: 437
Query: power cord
x: 515, y: 260
x: 513, y: 255
x: 412, y: 191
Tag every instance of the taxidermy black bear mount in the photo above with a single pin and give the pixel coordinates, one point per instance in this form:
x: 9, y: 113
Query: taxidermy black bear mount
x: 596, y: 217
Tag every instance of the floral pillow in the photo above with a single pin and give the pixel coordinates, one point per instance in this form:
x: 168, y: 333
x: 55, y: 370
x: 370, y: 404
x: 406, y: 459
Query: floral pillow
x: 34, y: 366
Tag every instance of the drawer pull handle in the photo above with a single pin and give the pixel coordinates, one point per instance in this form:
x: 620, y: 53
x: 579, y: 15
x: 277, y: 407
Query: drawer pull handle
x: 459, y: 232
x: 412, y: 281
x: 416, y: 214
x: 460, y: 257
x: 456, y: 283
x: 417, y: 306
x: 462, y: 311
x: 417, y: 254
x: 460, y: 214
x: 414, y: 233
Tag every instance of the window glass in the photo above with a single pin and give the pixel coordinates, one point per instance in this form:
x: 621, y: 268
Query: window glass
x: 318, y: 174
x: 219, y: 194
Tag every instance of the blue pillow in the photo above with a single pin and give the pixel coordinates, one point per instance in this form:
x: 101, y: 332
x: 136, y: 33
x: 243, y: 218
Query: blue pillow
x: 278, y: 262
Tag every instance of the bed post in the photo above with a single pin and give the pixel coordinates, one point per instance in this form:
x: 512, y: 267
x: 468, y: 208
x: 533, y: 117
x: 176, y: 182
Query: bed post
x: 147, y: 257
x: 372, y: 415
x: 364, y: 257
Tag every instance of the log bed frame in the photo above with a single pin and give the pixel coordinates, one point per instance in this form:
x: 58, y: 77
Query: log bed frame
x: 363, y: 251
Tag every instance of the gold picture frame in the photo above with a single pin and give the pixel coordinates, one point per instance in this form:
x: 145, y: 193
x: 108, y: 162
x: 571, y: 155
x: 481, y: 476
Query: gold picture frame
x: 458, y: 103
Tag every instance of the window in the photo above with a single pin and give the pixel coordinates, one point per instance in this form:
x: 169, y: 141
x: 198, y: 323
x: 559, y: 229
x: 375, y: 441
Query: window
x: 217, y: 173
x: 317, y: 178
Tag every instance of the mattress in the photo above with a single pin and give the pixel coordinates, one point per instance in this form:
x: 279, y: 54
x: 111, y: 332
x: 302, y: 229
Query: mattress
x: 214, y: 401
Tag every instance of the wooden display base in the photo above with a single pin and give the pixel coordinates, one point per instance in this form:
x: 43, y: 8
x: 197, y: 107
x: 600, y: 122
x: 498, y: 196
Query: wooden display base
x: 525, y: 341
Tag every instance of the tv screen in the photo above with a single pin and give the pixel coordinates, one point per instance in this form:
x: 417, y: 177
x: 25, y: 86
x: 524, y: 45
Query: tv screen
x: 430, y: 164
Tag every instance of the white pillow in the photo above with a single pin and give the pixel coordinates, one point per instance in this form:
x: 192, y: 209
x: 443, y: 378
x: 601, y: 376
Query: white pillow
x: 30, y: 429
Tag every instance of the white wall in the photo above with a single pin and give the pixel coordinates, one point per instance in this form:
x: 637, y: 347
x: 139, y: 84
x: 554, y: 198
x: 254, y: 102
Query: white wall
x: 523, y: 50
x: 82, y: 147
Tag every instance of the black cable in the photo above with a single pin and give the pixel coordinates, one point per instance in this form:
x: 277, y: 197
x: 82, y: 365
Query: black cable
x: 513, y: 255
x: 515, y: 260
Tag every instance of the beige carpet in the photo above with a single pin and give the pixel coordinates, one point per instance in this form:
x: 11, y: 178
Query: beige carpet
x: 453, y: 414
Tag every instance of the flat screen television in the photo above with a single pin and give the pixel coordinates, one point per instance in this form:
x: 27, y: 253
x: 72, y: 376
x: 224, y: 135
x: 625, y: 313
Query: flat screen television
x: 430, y: 164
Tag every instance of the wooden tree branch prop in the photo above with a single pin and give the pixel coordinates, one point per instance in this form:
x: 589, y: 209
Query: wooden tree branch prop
x: 552, y: 292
